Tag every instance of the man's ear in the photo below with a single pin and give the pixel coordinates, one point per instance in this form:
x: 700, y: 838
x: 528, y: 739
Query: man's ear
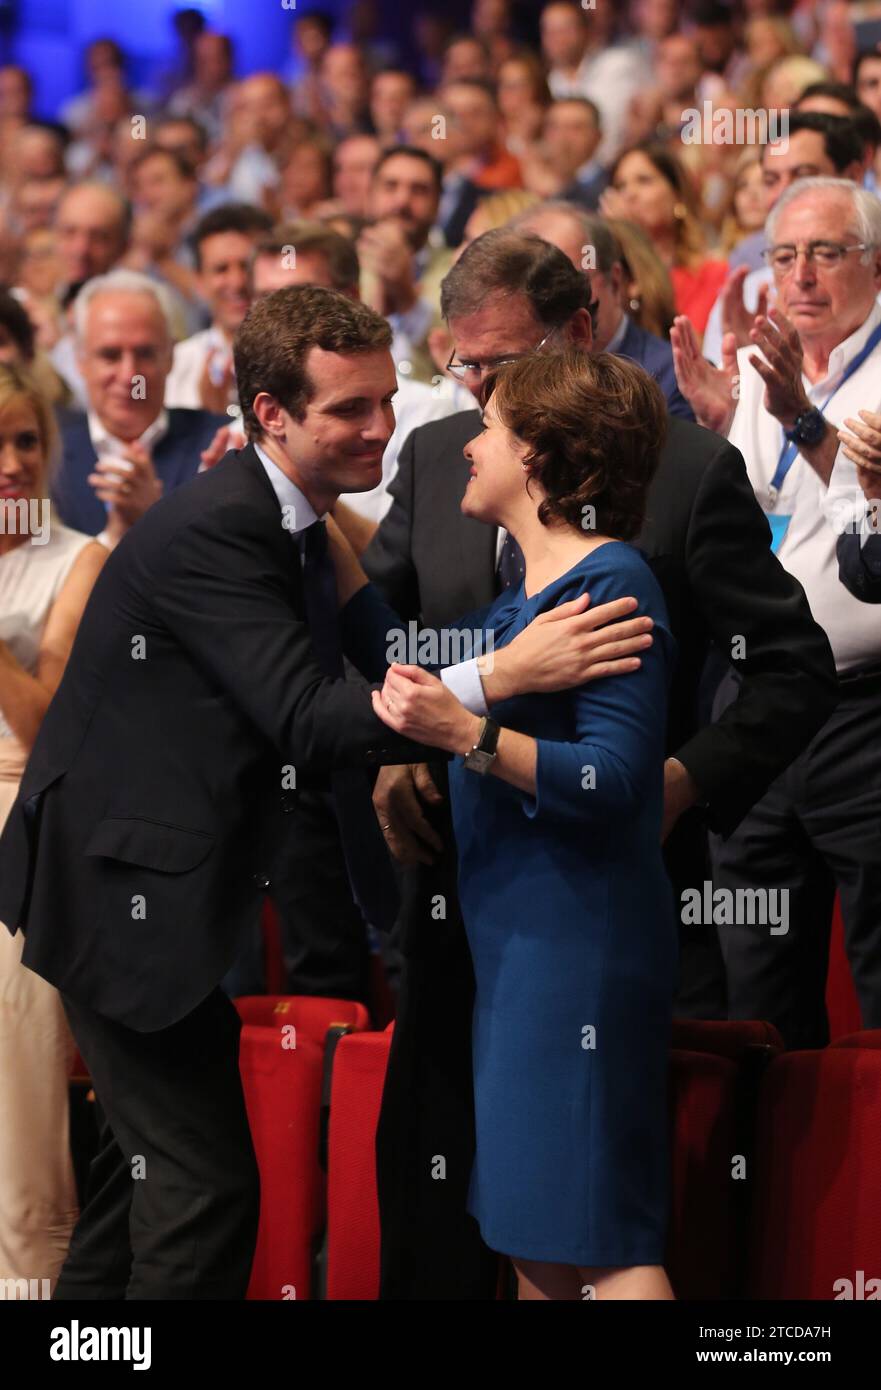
x: 270, y: 414
x: 579, y: 330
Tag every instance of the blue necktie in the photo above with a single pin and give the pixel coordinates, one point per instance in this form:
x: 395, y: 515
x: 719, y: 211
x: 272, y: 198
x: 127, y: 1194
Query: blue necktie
x: 370, y: 871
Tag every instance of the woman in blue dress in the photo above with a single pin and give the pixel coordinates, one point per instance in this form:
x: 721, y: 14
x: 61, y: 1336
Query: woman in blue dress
x: 564, y: 894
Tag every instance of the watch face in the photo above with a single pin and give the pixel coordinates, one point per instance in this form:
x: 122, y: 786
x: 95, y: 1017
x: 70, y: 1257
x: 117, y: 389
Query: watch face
x: 811, y: 428
x: 478, y: 761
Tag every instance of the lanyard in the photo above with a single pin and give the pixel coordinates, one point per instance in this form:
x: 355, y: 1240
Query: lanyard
x: 789, y: 452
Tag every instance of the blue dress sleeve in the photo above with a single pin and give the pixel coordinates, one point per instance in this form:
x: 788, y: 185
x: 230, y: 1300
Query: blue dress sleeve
x: 615, y: 762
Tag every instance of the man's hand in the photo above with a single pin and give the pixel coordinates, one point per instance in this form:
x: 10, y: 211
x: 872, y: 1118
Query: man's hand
x: 399, y: 796
x: 386, y: 254
x: 736, y: 317
x: 780, y: 368
x: 680, y: 792
x: 217, y: 382
x: 227, y: 437
x: 567, y: 646
x: 861, y: 443
x: 128, y: 486
x: 710, y: 391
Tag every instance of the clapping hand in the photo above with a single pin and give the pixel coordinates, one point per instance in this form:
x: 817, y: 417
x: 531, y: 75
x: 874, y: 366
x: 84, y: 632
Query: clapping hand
x: 710, y: 391
x: 128, y: 486
x: 780, y: 367
x: 861, y: 443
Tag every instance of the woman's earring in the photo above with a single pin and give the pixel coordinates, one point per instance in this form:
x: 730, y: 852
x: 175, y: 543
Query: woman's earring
x: 634, y: 304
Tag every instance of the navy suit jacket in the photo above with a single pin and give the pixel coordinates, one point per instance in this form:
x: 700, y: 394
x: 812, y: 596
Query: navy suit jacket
x: 587, y: 193
x: 176, y: 459
x: 656, y: 357
x: 859, y: 567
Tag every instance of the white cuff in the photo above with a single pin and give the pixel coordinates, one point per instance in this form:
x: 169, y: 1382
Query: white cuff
x: 464, y: 681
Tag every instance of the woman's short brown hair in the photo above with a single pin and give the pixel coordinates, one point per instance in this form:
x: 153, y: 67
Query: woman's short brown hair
x: 272, y: 344
x: 595, y: 425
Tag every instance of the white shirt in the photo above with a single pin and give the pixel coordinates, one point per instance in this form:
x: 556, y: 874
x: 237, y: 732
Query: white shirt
x: 415, y: 404
x: 103, y: 442
x: 464, y: 679
x: 183, y: 384
x: 807, y: 550
x: 712, y: 344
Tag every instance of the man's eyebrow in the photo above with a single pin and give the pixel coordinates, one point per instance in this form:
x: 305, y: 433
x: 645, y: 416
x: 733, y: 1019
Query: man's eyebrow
x: 355, y: 400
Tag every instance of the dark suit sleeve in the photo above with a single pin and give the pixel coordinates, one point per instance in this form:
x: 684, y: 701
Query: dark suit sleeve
x: 788, y: 686
x: 388, y: 560
x: 229, y: 605
x: 859, y: 566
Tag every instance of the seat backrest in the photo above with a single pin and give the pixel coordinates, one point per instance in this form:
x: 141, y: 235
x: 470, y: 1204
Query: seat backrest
x: 309, y: 1016
x: 817, y: 1205
x: 359, y: 1068
x: 732, y: 1038
x: 702, y: 1254
x: 282, y: 1087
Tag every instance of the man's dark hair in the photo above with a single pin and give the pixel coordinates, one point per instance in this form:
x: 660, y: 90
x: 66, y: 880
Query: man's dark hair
x: 862, y: 58
x: 586, y: 102
x: 322, y: 19
x: 839, y: 91
x: 182, y: 165
x: 229, y: 217
x: 510, y: 262
x: 14, y: 318
x: 841, y: 138
x: 277, y: 334
x: 196, y: 126
x: 312, y: 238
x: 412, y: 152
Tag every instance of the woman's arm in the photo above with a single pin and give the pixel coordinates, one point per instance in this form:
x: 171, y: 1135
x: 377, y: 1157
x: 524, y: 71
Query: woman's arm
x: 604, y: 772
x: 24, y: 698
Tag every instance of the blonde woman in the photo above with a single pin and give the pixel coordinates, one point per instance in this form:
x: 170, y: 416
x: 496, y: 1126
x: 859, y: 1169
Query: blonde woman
x: 647, y: 295
x: 46, y: 575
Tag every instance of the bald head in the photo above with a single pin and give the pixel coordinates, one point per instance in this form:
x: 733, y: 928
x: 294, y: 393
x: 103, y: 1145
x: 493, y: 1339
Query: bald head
x: 91, y: 227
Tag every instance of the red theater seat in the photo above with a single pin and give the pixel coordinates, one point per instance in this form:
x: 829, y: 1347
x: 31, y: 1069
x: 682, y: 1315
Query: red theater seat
x: 817, y: 1198
x: 842, y: 1005
x: 735, y: 1039
x: 310, y: 1015
x: 359, y: 1066
x: 869, y: 1037
x: 282, y: 1088
x: 702, y: 1242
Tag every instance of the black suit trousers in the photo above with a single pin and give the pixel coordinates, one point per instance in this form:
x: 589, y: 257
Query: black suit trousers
x: 173, y: 1195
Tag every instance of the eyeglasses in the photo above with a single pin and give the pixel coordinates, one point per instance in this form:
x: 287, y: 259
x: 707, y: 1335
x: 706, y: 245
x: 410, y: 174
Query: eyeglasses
x: 828, y: 255
x: 461, y: 369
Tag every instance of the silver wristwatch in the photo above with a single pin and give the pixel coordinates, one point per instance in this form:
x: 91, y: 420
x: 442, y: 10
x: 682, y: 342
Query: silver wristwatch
x: 482, y: 756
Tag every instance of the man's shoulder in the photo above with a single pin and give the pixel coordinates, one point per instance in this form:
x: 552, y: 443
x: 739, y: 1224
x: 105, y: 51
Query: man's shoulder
x: 688, y: 452
x: 452, y: 430
x: 644, y: 348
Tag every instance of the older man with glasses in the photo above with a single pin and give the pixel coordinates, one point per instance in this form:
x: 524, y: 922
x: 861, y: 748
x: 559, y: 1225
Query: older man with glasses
x: 814, y: 363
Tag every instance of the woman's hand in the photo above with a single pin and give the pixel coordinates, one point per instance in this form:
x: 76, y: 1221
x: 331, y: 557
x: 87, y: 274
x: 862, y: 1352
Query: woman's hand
x: 418, y: 705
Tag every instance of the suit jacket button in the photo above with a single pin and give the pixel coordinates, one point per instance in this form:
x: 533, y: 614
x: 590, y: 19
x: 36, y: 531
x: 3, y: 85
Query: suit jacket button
x: 288, y: 803
x: 261, y: 880
x: 370, y: 756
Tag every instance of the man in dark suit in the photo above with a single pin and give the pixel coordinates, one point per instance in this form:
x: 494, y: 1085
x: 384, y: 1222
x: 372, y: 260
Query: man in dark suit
x: 126, y: 450
x: 709, y: 545
x: 587, y: 240
x: 202, y: 693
